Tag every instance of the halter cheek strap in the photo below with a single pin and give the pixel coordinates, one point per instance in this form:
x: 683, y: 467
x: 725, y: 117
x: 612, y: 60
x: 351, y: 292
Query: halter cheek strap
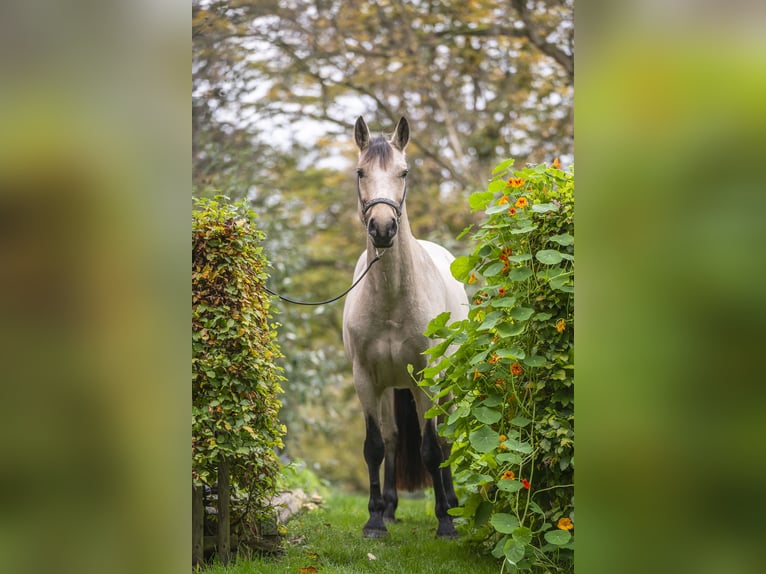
x: 367, y: 205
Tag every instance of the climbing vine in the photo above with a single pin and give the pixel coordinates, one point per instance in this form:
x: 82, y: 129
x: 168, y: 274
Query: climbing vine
x: 508, y: 387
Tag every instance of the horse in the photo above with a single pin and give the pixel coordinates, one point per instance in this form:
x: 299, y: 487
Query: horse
x: 383, y: 324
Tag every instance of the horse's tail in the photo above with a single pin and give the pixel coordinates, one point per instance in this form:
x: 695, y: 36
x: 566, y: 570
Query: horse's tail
x: 411, y: 474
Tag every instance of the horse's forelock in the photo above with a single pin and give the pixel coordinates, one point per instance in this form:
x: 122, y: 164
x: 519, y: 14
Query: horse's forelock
x: 378, y: 149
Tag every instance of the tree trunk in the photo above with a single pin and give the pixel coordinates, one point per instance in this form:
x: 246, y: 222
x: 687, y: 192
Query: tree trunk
x: 224, y: 534
x: 198, y: 526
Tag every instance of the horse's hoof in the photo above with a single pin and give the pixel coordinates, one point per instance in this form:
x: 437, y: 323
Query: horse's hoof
x: 374, y: 533
x: 447, y: 534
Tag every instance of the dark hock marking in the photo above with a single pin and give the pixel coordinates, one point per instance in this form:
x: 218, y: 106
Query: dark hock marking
x: 390, y: 497
x: 374, y: 451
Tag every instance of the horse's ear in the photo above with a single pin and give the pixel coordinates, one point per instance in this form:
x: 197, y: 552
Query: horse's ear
x: 401, y: 135
x: 361, y: 133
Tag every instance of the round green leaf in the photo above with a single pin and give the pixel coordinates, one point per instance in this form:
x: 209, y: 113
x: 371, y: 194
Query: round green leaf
x: 523, y: 535
x: 548, y: 256
x: 505, y: 523
x: 558, y: 537
x: 514, y: 550
x: 486, y: 415
x: 535, y: 361
x: 563, y: 239
x: 520, y: 274
x: 507, y: 485
x: 484, y: 440
x: 522, y: 313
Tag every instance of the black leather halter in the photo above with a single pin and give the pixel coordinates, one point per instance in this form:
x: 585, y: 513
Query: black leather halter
x: 366, y: 205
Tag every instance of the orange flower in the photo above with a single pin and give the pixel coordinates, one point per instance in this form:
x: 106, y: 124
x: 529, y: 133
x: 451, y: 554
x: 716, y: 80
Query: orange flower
x: 505, y: 254
x: 472, y: 277
x: 503, y: 200
x: 503, y: 438
x: 557, y: 164
x: 493, y: 359
x: 508, y: 475
x: 525, y: 483
x: 501, y: 292
x: 499, y: 382
x: 476, y: 374
x: 502, y: 447
x: 512, y: 211
x: 516, y: 369
x: 561, y: 325
x: 515, y: 182
x: 565, y: 524
x: 522, y: 202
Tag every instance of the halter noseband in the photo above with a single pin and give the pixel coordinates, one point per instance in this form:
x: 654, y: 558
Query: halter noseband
x: 367, y: 205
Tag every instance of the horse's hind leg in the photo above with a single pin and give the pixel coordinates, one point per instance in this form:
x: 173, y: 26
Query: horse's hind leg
x: 449, y: 487
x: 389, y: 430
x: 433, y: 456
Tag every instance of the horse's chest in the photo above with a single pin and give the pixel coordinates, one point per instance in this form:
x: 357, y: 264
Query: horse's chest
x: 390, y: 345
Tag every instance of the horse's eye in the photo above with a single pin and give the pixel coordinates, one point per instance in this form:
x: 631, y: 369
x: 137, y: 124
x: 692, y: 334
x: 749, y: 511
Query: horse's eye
x: 360, y: 173
x: 405, y: 172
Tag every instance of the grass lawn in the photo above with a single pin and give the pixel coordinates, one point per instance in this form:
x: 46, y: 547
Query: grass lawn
x: 330, y: 540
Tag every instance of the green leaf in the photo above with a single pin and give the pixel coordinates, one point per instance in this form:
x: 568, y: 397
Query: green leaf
x: 525, y: 229
x: 491, y: 320
x: 523, y: 535
x: 511, y: 353
x: 558, y: 537
x: 466, y: 230
x: 535, y: 361
x: 503, y: 302
x: 520, y: 274
x: 503, y: 165
x: 514, y: 550
x: 496, y: 185
x: 509, y: 457
x: 509, y: 485
x: 520, y: 258
x: 522, y: 313
x: 437, y: 324
x: 511, y: 329
x: 543, y: 316
x: 520, y: 421
x: 548, y: 256
x: 480, y: 200
x: 493, y: 269
x: 544, y: 207
x: 497, y: 208
x: 504, y: 523
x: 563, y: 239
x: 484, y: 440
x: 462, y: 266
x: 486, y: 415
x: 483, y: 512
x: 493, y: 401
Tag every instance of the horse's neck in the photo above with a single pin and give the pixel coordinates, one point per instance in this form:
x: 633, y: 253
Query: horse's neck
x: 395, y: 275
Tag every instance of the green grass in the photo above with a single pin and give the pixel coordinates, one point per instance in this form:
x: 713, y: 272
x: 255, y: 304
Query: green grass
x: 330, y: 539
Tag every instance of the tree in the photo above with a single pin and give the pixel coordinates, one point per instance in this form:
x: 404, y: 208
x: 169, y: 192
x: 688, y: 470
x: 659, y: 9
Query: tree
x: 277, y: 86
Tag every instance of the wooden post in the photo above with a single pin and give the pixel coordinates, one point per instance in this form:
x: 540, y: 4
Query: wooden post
x: 198, y: 526
x: 224, y: 532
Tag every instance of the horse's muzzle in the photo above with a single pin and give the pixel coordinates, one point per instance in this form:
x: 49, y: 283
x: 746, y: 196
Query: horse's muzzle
x: 382, y: 231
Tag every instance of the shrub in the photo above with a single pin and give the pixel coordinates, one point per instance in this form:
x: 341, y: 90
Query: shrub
x: 507, y: 389
x: 235, y: 380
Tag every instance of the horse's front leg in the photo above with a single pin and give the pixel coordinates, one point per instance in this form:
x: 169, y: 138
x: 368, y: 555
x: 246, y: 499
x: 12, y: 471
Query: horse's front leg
x: 389, y: 430
x: 374, y: 451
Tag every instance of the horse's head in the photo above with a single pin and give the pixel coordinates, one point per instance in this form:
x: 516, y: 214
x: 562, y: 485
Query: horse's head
x: 381, y: 180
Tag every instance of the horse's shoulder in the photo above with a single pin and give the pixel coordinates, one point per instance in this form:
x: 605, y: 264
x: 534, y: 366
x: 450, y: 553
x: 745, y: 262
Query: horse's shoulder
x: 436, y: 251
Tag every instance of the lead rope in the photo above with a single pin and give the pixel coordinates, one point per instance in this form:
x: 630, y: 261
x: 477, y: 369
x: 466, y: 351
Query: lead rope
x: 377, y: 258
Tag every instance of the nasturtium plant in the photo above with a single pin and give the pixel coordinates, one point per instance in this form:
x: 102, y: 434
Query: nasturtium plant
x: 507, y: 390
x: 235, y: 378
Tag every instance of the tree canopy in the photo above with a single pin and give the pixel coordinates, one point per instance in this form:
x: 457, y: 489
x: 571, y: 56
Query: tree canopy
x: 277, y: 86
